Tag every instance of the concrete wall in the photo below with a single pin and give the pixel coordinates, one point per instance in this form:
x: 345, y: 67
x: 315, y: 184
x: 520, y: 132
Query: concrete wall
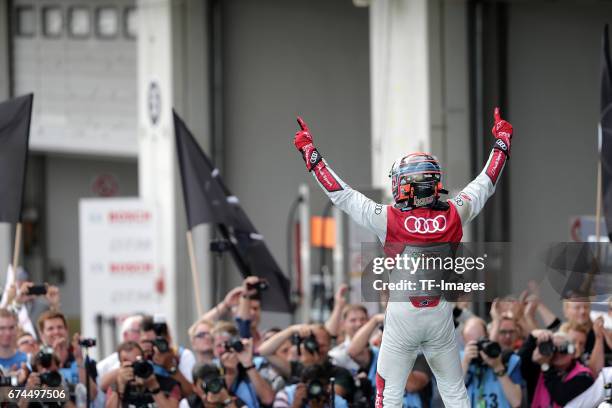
x: 553, y: 94
x: 283, y: 58
x: 67, y: 180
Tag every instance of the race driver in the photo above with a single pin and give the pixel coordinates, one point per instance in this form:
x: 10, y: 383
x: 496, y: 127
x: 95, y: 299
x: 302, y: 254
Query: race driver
x: 418, y: 217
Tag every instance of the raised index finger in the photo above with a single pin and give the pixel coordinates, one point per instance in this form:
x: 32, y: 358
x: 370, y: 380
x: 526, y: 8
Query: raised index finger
x: 302, y: 124
x: 497, y: 114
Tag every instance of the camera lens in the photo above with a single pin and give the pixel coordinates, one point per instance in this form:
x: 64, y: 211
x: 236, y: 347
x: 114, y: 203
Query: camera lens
x: 490, y: 348
x: 315, y: 389
x: 51, y: 379
x: 161, y: 344
x: 213, y: 385
x: 142, y: 369
x: 546, y: 348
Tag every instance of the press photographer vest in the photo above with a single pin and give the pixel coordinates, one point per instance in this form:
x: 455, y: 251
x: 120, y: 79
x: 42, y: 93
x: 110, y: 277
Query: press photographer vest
x: 541, y: 396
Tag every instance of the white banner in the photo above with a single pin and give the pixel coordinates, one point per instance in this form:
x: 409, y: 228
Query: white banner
x: 120, y: 271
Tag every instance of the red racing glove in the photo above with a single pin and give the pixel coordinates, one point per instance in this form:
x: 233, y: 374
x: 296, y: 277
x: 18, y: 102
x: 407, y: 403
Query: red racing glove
x: 502, y: 131
x: 303, y: 142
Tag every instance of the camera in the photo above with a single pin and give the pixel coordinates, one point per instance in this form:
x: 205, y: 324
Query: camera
x: 310, y: 342
x: 161, y: 344
x: 212, y: 378
x: 87, y: 342
x: 142, y: 369
x: 213, y: 385
x: 160, y: 327
x: 37, y: 290
x: 51, y: 379
x: 259, y: 286
x: 11, y: 381
x: 45, y: 356
x: 548, y: 348
x: 234, y: 344
x: 490, y: 348
x: 315, y: 390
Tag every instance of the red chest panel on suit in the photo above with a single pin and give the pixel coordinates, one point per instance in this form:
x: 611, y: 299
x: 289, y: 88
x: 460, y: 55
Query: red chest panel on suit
x: 420, y: 226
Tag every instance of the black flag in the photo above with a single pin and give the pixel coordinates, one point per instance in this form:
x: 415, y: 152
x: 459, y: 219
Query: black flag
x: 605, y: 127
x: 15, y: 117
x: 208, y: 200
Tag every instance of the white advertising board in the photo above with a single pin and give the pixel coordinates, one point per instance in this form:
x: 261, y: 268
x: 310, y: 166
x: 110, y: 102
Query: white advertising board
x: 120, y: 269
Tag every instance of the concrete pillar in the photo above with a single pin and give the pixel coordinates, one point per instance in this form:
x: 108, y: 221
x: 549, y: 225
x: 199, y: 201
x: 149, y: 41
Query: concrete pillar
x: 419, y: 80
x: 156, y: 172
x: 173, y: 72
x: 399, y: 83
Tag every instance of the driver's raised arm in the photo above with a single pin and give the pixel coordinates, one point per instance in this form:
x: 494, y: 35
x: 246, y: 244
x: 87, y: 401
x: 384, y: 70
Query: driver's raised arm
x: 470, y: 201
x: 360, y: 208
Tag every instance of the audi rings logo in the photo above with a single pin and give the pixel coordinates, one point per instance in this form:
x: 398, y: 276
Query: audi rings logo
x: 420, y: 225
x: 314, y: 157
x: 501, y: 144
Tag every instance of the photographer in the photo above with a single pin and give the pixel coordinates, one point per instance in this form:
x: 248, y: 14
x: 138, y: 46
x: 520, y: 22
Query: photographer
x: 248, y: 314
x: 489, y: 379
x: 244, y: 303
x: 29, y: 301
x: 562, y: 377
x: 312, y: 391
x: 130, y: 331
x: 168, y: 362
x: 241, y: 375
x: 45, y: 374
x: 210, y: 389
x: 596, y: 393
x: 202, y: 341
x: 54, y: 334
x: 311, y: 345
x: 136, y: 384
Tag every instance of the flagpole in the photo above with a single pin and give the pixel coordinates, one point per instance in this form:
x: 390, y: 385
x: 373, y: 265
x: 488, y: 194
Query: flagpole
x: 17, y: 247
x: 194, y: 273
x: 598, y: 203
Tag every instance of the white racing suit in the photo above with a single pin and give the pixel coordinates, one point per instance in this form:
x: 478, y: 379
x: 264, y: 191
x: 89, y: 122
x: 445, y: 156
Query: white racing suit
x: 418, y: 323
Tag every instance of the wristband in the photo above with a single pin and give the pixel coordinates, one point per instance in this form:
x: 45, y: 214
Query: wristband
x: 501, y: 373
x: 155, y: 391
x: 249, y: 367
x: 311, y: 156
x: 503, y: 146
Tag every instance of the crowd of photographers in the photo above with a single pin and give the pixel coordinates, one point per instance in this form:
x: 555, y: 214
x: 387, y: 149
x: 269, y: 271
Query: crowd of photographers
x: 524, y: 356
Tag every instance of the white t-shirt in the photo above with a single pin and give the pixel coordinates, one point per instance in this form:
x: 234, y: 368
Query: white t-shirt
x: 595, y: 394
x: 341, y: 358
x: 108, y: 364
x: 186, y: 362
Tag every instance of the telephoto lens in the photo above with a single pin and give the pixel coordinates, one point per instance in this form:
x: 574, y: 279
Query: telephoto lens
x: 142, y: 369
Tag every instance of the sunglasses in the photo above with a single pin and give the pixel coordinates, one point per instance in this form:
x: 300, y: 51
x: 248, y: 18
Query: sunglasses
x: 201, y: 335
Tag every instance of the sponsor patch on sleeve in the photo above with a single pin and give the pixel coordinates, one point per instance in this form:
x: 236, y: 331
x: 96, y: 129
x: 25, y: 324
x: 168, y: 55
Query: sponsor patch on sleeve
x: 496, y: 165
x: 326, y: 178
